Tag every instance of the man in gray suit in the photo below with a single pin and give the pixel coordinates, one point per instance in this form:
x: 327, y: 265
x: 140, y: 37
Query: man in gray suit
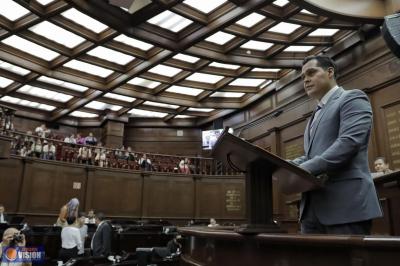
x: 101, y: 240
x: 336, y: 145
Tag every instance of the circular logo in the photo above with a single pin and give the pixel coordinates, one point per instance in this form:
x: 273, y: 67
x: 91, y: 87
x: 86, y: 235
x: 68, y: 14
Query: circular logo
x: 11, y: 254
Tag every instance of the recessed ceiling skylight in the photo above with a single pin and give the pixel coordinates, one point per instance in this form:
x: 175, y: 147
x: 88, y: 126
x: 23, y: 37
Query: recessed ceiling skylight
x: 206, y: 110
x: 26, y: 103
x: 323, y: 32
x: 83, y: 114
x: 14, y: 68
x: 133, y: 42
x: 170, y: 21
x: 256, y: 45
x: 64, y: 84
x: 298, y: 48
x: 144, y: 113
x: 4, y: 82
x: 220, y: 38
x: 43, y: 93
x: 307, y: 12
x: 30, y: 47
x: 184, y: 116
x: 284, y: 28
x: 165, y: 70
x: 45, y: 2
x: 172, y: 106
x: 184, y: 90
x: 207, y: 78
x: 220, y: 65
x: 186, y: 58
x: 88, y: 68
x: 111, y: 55
x: 57, y: 34
x: 84, y: 20
x: 227, y: 94
x: 144, y: 82
x: 250, y: 20
x: 119, y: 97
x: 102, y: 106
x: 205, y: 6
x: 11, y: 10
x: 247, y: 82
x: 281, y: 3
x: 257, y: 69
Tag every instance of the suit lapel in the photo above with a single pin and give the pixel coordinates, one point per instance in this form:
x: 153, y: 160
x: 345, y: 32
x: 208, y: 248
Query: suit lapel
x: 331, y: 100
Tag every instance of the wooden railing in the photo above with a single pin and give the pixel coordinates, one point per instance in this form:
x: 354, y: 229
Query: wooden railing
x: 25, y: 145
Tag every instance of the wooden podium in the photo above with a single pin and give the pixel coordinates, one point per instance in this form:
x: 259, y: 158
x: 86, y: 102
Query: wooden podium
x: 259, y: 166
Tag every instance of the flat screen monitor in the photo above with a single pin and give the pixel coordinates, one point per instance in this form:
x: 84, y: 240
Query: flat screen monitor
x: 210, y: 137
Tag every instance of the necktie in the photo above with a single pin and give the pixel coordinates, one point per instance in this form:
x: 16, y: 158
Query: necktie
x: 314, y: 118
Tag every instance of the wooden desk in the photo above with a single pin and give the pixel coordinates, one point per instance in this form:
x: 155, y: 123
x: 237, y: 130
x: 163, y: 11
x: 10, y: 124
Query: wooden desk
x: 212, y: 247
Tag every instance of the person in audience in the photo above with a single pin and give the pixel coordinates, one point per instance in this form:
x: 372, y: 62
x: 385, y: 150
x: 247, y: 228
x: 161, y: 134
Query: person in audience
x: 145, y: 163
x: 85, y: 155
x: 23, y: 151
x: 9, y: 240
x: 42, y: 131
x: 3, y: 215
x: 336, y: 147
x: 91, y: 217
x: 71, y: 241
x: 79, y: 139
x: 213, y: 223
x: 83, y: 230
x: 101, y: 241
x: 101, y: 155
x: 68, y: 210
x: 71, y: 139
x: 173, y: 247
x: 90, y: 140
x: 131, y: 154
x: 381, y: 167
x: 49, y: 151
x: 184, y: 166
x: 36, y: 148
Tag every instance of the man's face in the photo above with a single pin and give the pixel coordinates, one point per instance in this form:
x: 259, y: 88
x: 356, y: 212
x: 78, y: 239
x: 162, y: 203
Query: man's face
x: 380, y: 165
x: 316, y: 80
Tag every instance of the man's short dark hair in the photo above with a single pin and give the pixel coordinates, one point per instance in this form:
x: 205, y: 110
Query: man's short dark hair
x: 71, y: 220
x: 323, y: 61
x: 100, y: 216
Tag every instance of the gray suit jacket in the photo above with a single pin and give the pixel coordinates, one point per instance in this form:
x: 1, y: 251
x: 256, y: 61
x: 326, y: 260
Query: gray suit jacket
x: 338, y: 147
x: 102, y: 240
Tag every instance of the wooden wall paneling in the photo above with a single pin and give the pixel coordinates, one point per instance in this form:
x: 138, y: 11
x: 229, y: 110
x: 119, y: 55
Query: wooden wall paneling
x: 114, y: 192
x: 11, y: 171
x: 166, y: 196
x: 48, y: 185
x: 212, y: 197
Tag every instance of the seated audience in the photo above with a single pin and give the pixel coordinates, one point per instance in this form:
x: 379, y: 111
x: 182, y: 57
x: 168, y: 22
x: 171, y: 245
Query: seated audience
x: 213, y: 223
x: 145, y: 163
x: 101, y: 241
x: 85, y: 155
x: 9, y: 240
x: 91, y: 218
x: 79, y: 139
x: 131, y: 154
x: 90, y: 140
x: 71, y: 139
x: 36, y: 148
x: 184, y: 166
x: 49, y: 151
x: 381, y: 167
x: 71, y: 241
x: 3, y: 215
x: 68, y: 210
x: 83, y: 230
x: 101, y: 155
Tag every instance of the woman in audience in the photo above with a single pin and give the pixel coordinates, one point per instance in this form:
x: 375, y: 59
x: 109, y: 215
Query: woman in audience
x: 36, y: 148
x: 49, y: 151
x: 68, y: 210
x: 90, y: 140
x: 85, y: 155
x: 71, y: 241
x: 71, y: 139
x: 79, y: 139
x: 184, y: 166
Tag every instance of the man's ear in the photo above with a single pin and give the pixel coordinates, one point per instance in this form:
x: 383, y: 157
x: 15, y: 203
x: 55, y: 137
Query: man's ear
x: 331, y: 72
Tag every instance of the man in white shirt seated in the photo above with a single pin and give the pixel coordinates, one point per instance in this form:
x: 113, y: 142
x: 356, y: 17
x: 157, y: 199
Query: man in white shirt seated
x: 381, y: 167
x: 3, y: 216
x: 49, y: 151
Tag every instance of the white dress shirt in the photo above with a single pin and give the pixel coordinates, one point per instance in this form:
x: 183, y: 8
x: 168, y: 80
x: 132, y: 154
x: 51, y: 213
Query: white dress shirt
x: 71, y: 237
x: 321, y: 104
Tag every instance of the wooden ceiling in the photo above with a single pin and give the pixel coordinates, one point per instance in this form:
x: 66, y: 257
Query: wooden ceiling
x: 81, y: 62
